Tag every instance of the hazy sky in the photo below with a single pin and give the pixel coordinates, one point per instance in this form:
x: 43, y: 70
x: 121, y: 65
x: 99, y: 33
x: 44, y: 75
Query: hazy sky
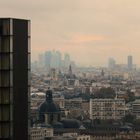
x: 90, y: 30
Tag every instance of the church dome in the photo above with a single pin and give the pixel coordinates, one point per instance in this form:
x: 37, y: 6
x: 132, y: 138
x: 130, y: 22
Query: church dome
x: 48, y: 106
x: 57, y: 125
x: 71, y: 123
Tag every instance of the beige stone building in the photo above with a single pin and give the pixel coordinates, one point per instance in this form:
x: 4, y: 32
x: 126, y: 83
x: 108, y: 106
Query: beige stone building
x: 105, y: 109
x: 40, y: 133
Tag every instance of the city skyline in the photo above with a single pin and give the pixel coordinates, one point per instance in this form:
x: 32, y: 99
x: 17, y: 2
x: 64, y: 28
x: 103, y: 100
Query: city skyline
x: 88, y: 30
x: 41, y: 59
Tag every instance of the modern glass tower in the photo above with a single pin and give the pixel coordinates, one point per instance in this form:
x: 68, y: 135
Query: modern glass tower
x: 14, y: 78
x: 130, y: 62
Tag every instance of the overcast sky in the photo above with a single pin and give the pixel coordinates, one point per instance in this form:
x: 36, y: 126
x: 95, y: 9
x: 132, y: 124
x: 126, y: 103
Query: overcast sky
x: 91, y: 31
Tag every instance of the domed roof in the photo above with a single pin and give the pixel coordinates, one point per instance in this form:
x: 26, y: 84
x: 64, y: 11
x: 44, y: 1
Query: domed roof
x: 45, y: 125
x: 57, y: 125
x: 71, y: 123
x: 48, y: 106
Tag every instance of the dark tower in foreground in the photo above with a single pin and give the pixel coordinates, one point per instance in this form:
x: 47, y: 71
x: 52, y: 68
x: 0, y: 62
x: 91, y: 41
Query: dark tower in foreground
x: 14, y: 78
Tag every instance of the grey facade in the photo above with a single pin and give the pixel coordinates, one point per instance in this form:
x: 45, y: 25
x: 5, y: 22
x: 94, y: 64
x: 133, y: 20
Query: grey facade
x: 14, y: 78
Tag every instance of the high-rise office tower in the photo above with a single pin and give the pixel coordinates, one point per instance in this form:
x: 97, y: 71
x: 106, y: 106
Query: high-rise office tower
x: 111, y: 63
x: 14, y: 78
x: 53, y: 59
x: 41, y: 60
x: 130, y: 62
x: 67, y: 60
x: 48, y: 59
x: 58, y: 59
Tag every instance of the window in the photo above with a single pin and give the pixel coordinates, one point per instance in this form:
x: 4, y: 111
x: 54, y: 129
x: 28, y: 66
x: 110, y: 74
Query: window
x: 5, y: 96
x: 5, y: 61
x: 5, y: 44
x: 4, y: 79
x: 4, y: 130
x: 5, y: 113
x: 6, y: 27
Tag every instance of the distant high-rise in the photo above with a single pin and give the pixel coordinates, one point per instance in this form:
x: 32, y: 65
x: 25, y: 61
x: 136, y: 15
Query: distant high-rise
x: 41, y: 60
x: 58, y: 59
x: 14, y: 78
x: 52, y: 59
x: 67, y: 60
x: 48, y: 59
x: 130, y: 62
x: 111, y: 63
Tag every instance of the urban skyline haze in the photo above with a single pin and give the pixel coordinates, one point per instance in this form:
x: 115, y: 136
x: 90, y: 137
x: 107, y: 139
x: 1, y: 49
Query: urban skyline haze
x: 90, y: 31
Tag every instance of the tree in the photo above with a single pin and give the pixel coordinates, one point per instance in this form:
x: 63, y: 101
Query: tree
x: 105, y: 93
x: 131, y: 96
x: 129, y: 118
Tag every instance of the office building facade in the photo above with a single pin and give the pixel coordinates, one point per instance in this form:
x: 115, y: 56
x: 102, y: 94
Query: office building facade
x: 48, y: 59
x: 14, y: 78
x: 111, y: 63
x: 107, y: 109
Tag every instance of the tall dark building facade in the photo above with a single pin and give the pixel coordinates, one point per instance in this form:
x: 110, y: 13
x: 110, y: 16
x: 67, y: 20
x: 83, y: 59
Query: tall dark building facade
x: 14, y: 78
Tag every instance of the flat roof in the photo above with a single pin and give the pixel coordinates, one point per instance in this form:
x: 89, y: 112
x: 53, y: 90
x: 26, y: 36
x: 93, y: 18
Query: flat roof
x: 7, y: 18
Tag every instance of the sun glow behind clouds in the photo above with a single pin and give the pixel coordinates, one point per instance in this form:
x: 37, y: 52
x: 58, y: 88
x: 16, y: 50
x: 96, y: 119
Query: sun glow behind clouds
x: 87, y: 38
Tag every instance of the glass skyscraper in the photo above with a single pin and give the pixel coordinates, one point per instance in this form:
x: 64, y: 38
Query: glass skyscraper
x: 14, y: 78
x: 130, y: 62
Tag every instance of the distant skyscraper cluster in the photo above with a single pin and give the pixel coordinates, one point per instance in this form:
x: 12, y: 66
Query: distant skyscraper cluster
x: 53, y: 59
x: 129, y: 64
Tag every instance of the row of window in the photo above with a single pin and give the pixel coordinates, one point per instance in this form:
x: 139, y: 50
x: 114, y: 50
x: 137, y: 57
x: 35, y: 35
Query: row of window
x: 6, y: 44
x: 84, y: 138
x: 6, y: 61
x: 107, y: 101
x: 4, y: 130
x: 6, y: 79
x: 5, y: 95
x: 6, y: 27
x: 108, y: 109
x: 5, y: 113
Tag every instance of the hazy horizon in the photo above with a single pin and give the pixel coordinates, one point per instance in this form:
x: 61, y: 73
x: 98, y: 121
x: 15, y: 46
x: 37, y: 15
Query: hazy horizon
x: 124, y: 62
x: 91, y: 31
